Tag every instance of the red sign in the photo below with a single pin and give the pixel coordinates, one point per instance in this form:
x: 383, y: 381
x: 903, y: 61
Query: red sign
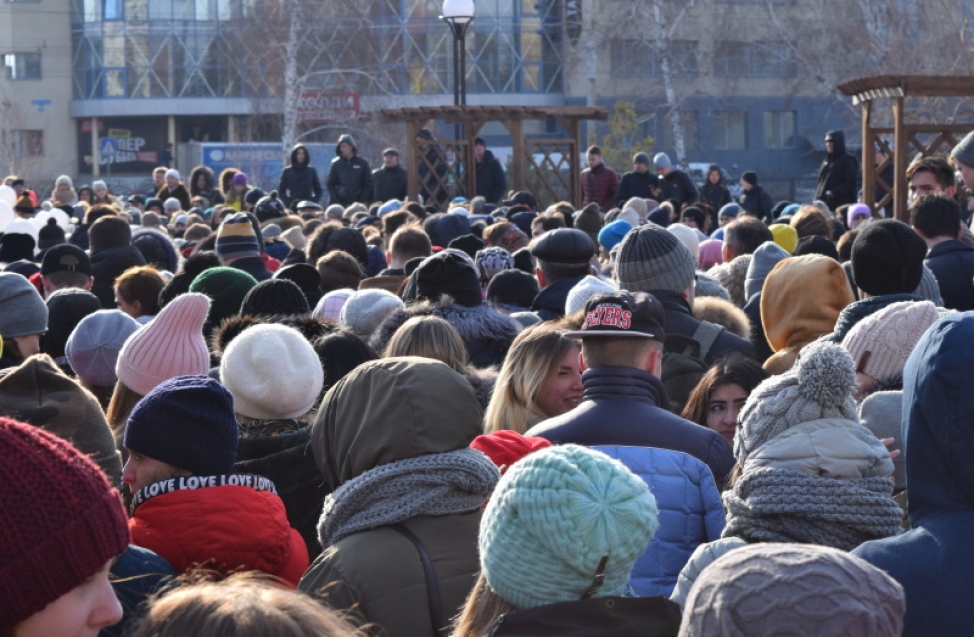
x: 321, y: 108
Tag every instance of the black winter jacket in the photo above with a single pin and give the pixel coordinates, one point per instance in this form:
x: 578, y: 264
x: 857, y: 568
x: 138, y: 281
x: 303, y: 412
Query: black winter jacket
x: 679, y: 320
x: 838, y: 175
x: 299, y: 182
x: 108, y: 265
x: 350, y: 180
x: 491, y: 182
x: 758, y: 203
x: 678, y: 187
x: 636, y: 185
x: 952, y: 264
x: 549, y: 304
x: 389, y: 183
x: 629, y: 406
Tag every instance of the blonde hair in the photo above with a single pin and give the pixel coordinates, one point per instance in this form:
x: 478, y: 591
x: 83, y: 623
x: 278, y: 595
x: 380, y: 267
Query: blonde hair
x: 243, y: 605
x: 120, y: 408
x: 534, y: 357
x: 429, y: 337
x: 481, y: 611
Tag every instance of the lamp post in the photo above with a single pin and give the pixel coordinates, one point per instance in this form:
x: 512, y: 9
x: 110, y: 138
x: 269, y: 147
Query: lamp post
x: 459, y: 14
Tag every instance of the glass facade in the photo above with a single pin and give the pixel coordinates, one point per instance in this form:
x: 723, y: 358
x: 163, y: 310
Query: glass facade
x: 211, y: 48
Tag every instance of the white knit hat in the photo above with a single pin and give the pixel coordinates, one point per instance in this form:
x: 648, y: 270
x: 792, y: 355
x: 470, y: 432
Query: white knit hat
x: 687, y: 236
x: 585, y: 289
x: 272, y: 372
x: 880, y: 343
x: 365, y: 310
x: 295, y: 238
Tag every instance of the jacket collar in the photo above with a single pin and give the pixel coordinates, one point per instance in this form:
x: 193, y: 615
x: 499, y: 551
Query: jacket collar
x: 951, y: 245
x: 671, y: 301
x: 624, y: 383
x: 553, y: 297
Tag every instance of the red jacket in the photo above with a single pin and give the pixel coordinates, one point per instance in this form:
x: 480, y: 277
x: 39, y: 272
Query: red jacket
x: 600, y: 184
x: 219, y: 526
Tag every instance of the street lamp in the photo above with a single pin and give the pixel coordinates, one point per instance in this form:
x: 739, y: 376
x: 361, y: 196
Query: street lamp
x: 459, y: 14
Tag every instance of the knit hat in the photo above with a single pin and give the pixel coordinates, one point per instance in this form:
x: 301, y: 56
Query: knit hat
x: 390, y: 206
x: 65, y: 309
x: 929, y: 289
x: 272, y: 372
x: 749, y: 176
x: 816, y: 244
x: 630, y: 216
x: 709, y: 286
x: 92, y: 348
x: 688, y: 237
x: 819, y: 386
x: 857, y: 210
x: 365, y: 310
x: 513, y: 289
x: 169, y: 346
x: 493, y: 260
x: 50, y: 235
x: 275, y: 297
x: 613, y: 233
x: 16, y: 247
x: 887, y: 258
x: 271, y: 231
x: 61, y: 523
x: 882, y: 414
x: 306, y: 277
x: 662, y: 160
x: 22, y: 310
x: 505, y: 447
x: 731, y: 210
x: 769, y: 589
x: 236, y: 238
x: 226, y: 287
x: 559, y: 519
x: 711, y: 253
x: 641, y: 158
x: 295, y: 238
x: 963, y: 152
x: 239, y: 179
x: 584, y: 290
x: 732, y: 276
x: 445, y: 273
x: 650, y: 258
x: 880, y: 343
x: 785, y: 236
x: 171, y: 206
x: 329, y: 307
x: 763, y: 261
x: 187, y: 422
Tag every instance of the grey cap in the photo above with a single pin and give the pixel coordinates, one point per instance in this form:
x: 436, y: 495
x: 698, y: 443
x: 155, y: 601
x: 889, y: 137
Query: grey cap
x: 651, y: 258
x: 641, y: 158
x: 765, y: 258
x: 93, y: 347
x: 963, y: 152
x: 662, y: 160
x: 882, y: 414
x: 22, y: 310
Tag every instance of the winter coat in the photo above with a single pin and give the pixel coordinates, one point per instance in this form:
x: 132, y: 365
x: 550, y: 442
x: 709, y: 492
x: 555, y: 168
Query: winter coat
x: 838, y: 175
x: 179, y: 193
x: 136, y: 575
x: 690, y: 513
x: 679, y: 320
x: 934, y: 561
x: 952, y: 263
x: 859, y: 310
x: 210, y: 191
x: 715, y: 195
x: 80, y: 235
x: 299, y: 181
x: 636, y: 184
x: 349, y: 180
x: 486, y: 332
x: 376, y: 575
x: 491, y: 182
x: 599, y: 185
x: 629, y: 407
x: 678, y: 187
x: 549, y: 304
x: 254, y: 266
x: 758, y: 203
x: 108, y: 265
x: 389, y: 183
x: 222, y: 525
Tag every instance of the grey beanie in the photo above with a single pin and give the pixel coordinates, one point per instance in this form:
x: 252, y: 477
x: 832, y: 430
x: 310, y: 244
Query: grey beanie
x: 22, y: 310
x: 769, y: 589
x: 765, y: 258
x: 651, y: 258
x: 818, y: 386
x: 709, y: 286
x: 963, y: 152
x: 882, y: 414
x: 93, y: 347
x: 662, y: 160
x: 641, y: 158
x: 732, y: 276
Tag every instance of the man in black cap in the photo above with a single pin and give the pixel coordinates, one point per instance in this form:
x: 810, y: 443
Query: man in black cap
x: 624, y: 401
x: 65, y: 266
x: 389, y: 180
x: 523, y: 198
x: 755, y: 201
x: 491, y: 183
x: 563, y: 259
x: 641, y: 182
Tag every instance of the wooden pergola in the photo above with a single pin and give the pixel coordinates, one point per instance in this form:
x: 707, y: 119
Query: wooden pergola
x: 865, y: 91
x: 548, y: 167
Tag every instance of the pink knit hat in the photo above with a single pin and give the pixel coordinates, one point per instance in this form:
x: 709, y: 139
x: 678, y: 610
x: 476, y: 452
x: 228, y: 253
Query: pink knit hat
x: 171, y: 345
x: 709, y: 253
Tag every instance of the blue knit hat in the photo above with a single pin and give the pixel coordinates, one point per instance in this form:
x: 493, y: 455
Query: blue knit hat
x: 187, y: 422
x: 236, y: 238
x: 552, y: 519
x: 612, y: 234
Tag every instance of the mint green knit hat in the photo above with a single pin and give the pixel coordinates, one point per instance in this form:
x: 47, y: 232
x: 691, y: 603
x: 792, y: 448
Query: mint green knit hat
x: 554, y: 517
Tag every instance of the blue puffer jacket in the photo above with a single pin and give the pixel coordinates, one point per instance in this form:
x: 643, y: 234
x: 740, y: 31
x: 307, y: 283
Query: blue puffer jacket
x: 934, y: 561
x: 690, y: 513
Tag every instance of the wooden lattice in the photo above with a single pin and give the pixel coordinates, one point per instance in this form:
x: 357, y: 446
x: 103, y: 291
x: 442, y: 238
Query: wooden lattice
x: 549, y: 169
x: 444, y: 171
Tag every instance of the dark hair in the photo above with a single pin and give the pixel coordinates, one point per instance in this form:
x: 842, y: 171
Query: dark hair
x: 338, y: 269
x: 593, y: 150
x: 334, y: 236
x: 554, y: 272
x: 936, y: 166
x: 936, y: 215
x: 340, y: 353
x: 98, y: 211
x: 548, y: 222
x: 844, y: 245
x: 810, y: 221
x: 746, y: 234
x: 109, y: 232
x: 696, y: 214
x: 395, y: 220
x: 733, y: 369
x: 410, y: 242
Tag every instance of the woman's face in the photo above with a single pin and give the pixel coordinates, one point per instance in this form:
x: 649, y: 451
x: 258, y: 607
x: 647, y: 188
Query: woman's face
x: 713, y: 176
x: 201, y: 182
x: 562, y: 391
x: 723, y: 408
x: 85, y: 195
x: 301, y: 155
x: 81, y: 612
x: 240, y: 188
x: 63, y: 187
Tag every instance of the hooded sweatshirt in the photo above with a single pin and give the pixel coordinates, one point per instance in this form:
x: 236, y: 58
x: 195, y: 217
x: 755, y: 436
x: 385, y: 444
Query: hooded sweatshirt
x: 934, y: 560
x: 350, y: 178
x: 838, y: 174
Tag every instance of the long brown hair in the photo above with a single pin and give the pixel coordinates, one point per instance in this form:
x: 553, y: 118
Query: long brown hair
x: 481, y: 611
x: 119, y: 409
x: 730, y: 370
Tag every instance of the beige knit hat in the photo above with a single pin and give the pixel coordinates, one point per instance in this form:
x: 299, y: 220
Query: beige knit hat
x: 880, y: 343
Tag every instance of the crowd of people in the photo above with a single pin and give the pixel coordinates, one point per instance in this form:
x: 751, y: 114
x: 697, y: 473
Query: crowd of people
x: 225, y: 411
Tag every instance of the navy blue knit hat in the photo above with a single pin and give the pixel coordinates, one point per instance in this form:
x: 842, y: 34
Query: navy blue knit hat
x: 187, y: 422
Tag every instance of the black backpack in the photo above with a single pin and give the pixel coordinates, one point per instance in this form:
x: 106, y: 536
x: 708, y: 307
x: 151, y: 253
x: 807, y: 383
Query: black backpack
x: 684, y: 362
x: 597, y: 616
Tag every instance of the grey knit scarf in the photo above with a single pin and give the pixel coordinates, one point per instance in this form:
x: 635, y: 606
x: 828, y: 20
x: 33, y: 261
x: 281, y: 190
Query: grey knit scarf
x: 782, y: 505
x: 435, y: 484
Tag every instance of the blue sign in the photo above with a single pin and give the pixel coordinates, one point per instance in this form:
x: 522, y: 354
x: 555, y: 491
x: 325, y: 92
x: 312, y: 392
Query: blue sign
x: 262, y: 162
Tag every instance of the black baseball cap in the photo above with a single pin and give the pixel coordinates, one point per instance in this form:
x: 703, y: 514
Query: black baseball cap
x: 66, y: 257
x: 522, y: 197
x: 621, y: 315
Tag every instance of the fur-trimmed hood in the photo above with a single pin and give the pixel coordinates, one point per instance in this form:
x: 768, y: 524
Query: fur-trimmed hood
x: 233, y: 326
x: 486, y: 332
x: 158, y: 249
x: 483, y: 381
x: 723, y: 313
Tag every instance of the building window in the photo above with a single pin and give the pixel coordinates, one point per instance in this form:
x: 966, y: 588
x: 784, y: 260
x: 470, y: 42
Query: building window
x: 730, y: 130
x: 638, y: 58
x: 779, y: 129
x: 688, y: 123
x: 27, y: 143
x: 23, y: 66
x: 752, y: 59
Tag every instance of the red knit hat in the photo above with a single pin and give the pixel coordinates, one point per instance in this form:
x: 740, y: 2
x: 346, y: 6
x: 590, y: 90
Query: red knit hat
x: 505, y: 447
x: 60, y: 520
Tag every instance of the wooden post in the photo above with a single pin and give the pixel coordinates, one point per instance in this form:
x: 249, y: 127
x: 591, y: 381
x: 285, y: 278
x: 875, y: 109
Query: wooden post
x: 518, y: 159
x: 868, y: 155
x: 574, y: 131
x: 95, y: 149
x: 899, y: 166
x: 412, y: 159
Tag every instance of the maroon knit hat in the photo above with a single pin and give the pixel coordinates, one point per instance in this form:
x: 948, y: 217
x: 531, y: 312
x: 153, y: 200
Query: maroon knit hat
x: 60, y: 521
